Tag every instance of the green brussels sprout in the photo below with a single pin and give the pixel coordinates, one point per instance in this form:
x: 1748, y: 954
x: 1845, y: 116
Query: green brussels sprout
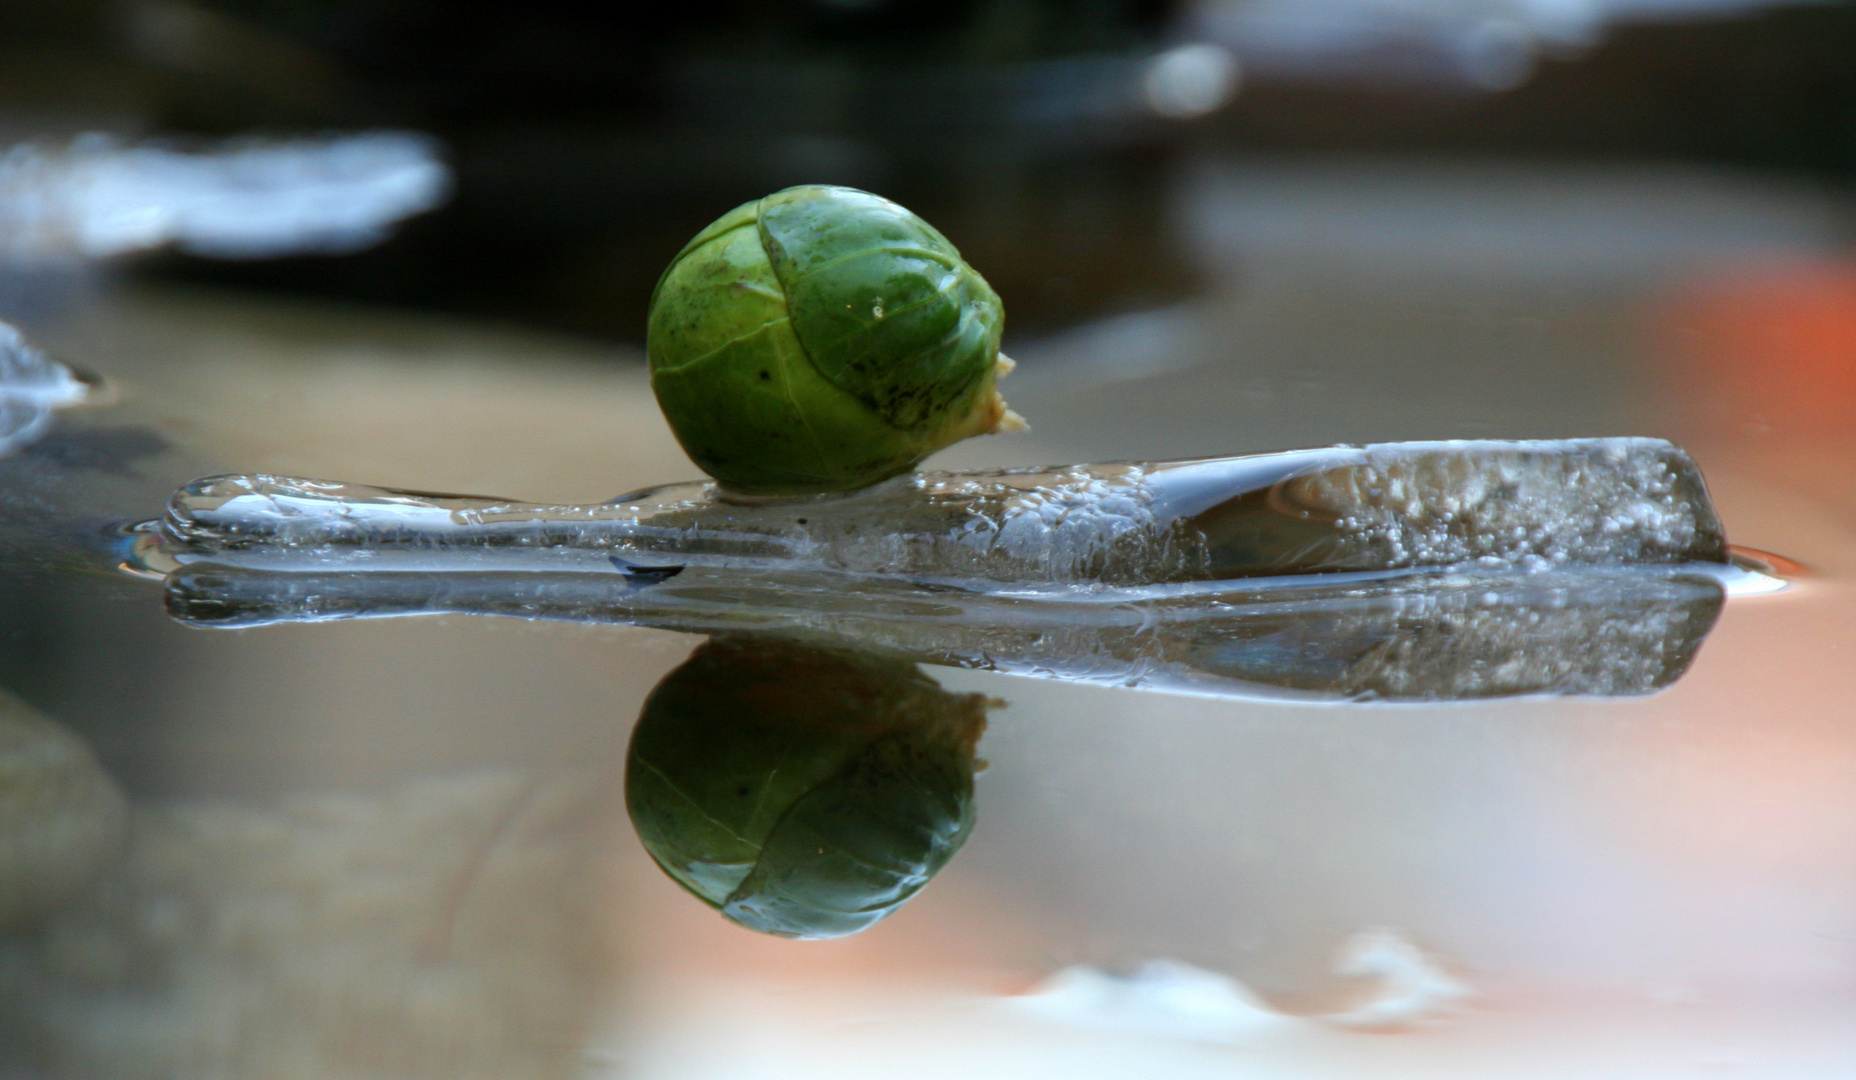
x: 823, y: 339
x: 801, y: 791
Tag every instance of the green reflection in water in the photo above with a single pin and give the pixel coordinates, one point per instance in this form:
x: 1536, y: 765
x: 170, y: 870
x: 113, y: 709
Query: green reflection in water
x: 803, y: 791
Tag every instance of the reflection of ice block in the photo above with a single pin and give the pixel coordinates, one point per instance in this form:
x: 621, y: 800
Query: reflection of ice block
x: 1603, y: 633
x: 1433, y: 636
x: 1489, y: 505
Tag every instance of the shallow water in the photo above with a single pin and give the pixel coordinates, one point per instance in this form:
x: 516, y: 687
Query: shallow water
x: 401, y: 846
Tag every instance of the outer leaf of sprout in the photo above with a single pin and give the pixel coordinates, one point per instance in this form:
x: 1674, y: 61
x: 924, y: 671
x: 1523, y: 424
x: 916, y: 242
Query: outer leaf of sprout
x: 823, y: 339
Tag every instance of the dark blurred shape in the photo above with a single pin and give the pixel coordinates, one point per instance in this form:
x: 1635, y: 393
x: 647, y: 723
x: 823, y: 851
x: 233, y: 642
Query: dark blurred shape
x: 224, y: 52
x: 590, y: 143
x: 802, y: 791
x: 1772, y: 88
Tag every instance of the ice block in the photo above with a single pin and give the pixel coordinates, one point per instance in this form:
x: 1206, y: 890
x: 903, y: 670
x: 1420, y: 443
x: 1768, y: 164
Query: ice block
x: 1384, y: 508
x: 1411, y: 571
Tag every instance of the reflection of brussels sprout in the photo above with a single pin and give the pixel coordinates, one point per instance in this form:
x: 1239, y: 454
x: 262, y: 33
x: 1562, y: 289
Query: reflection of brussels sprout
x: 804, y: 792
x: 822, y: 339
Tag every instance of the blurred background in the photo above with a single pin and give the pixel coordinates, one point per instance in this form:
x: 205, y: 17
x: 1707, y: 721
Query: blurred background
x: 412, y: 243
x: 588, y: 142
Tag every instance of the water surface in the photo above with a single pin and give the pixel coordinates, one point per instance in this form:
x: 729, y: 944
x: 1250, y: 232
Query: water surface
x: 401, y: 847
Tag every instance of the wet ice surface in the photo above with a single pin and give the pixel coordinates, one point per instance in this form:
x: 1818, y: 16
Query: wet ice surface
x: 1519, y: 505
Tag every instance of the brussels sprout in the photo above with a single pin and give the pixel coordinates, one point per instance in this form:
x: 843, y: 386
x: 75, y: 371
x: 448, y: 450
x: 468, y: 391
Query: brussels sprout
x: 823, y: 339
x: 803, y: 792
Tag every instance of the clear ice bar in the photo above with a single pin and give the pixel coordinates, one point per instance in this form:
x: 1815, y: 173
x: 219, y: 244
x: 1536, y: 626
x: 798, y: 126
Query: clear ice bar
x: 1482, y: 505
